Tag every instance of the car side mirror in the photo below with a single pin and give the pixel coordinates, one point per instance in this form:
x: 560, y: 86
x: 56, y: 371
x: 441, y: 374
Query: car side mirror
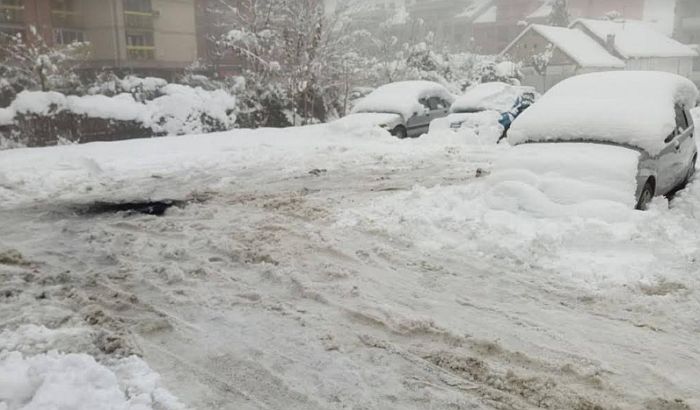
x: 671, y: 137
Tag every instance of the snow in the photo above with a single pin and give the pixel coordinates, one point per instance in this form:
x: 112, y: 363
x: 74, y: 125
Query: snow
x: 660, y: 14
x: 31, y: 379
x: 389, y: 277
x: 636, y: 39
x: 471, y: 128
x: 635, y: 108
x: 402, y: 98
x: 547, y: 178
x: 360, y: 121
x: 489, y: 96
x: 180, y: 110
x: 584, y: 50
x: 7, y: 116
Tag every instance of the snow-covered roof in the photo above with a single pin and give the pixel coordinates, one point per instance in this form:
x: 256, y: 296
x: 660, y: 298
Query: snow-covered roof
x: 402, y: 97
x: 635, y: 39
x: 633, y: 108
x: 489, y: 96
x: 576, y: 44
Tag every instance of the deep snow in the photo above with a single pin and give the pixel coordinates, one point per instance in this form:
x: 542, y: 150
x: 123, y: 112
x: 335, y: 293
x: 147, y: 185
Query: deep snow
x: 319, y: 269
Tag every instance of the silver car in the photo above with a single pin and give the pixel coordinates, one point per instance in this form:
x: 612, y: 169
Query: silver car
x: 643, y: 111
x: 404, y: 108
x: 670, y: 170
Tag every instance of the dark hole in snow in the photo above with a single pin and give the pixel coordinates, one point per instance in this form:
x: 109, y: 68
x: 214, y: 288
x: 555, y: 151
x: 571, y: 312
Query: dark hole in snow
x: 157, y: 208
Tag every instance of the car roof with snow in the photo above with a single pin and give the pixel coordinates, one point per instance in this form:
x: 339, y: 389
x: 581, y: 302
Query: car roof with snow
x: 495, y: 96
x: 402, y: 97
x: 634, y: 108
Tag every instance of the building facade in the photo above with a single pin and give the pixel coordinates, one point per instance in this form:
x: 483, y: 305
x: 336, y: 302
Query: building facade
x: 596, y: 45
x: 687, y: 30
x: 501, y: 23
x: 155, y: 37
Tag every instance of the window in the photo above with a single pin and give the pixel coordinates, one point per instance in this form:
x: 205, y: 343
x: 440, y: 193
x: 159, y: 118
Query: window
x: 66, y: 36
x: 139, y: 45
x: 681, y: 119
x: 143, y: 6
x: 138, y: 19
x: 11, y: 11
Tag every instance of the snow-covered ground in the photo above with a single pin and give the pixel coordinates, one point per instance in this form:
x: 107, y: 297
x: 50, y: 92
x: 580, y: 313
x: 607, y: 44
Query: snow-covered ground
x: 324, y: 267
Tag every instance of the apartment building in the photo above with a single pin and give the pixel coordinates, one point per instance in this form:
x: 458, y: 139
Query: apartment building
x: 156, y: 37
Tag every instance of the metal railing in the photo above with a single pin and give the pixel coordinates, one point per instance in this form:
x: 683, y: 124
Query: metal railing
x: 140, y: 52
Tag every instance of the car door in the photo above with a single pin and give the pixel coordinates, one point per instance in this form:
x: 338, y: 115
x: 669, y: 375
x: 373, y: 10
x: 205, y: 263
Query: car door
x: 687, y: 143
x: 675, y: 157
x: 418, y: 124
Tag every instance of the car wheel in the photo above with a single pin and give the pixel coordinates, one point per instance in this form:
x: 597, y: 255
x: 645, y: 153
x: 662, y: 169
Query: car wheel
x: 646, y: 196
x: 399, y: 132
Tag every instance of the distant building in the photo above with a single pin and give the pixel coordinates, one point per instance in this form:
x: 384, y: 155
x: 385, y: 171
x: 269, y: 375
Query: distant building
x: 155, y: 37
x: 504, y: 20
x: 596, y: 45
x: 687, y: 30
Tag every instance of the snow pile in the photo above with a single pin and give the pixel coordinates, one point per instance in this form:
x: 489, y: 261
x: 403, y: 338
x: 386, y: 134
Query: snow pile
x: 634, y: 108
x: 471, y: 128
x: 77, y: 382
x: 177, y: 110
x: 364, y: 120
x: 35, y: 376
x: 547, y: 179
x: 489, y: 96
x: 402, y: 98
x: 7, y: 116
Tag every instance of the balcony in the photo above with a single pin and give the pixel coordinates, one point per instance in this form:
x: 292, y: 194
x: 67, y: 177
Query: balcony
x: 11, y: 14
x: 138, y: 20
x: 67, y: 19
x: 140, y: 52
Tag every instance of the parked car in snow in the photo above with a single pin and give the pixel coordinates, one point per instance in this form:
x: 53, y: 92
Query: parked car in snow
x: 403, y: 108
x: 487, y: 108
x: 647, y: 112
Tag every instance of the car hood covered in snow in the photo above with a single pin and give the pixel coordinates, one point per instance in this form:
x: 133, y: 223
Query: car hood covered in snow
x: 402, y: 98
x: 630, y: 108
x: 550, y: 178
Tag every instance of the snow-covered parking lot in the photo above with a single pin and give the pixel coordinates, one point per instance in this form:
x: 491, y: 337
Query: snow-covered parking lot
x: 327, y: 268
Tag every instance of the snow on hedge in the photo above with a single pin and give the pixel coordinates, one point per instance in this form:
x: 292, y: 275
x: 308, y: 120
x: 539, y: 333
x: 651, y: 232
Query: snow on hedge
x: 178, y: 110
x: 402, y: 98
x: 624, y: 107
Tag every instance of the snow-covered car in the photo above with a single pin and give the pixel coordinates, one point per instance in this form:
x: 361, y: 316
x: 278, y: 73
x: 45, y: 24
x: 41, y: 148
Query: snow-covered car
x: 646, y: 113
x: 481, y: 109
x: 403, y: 108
